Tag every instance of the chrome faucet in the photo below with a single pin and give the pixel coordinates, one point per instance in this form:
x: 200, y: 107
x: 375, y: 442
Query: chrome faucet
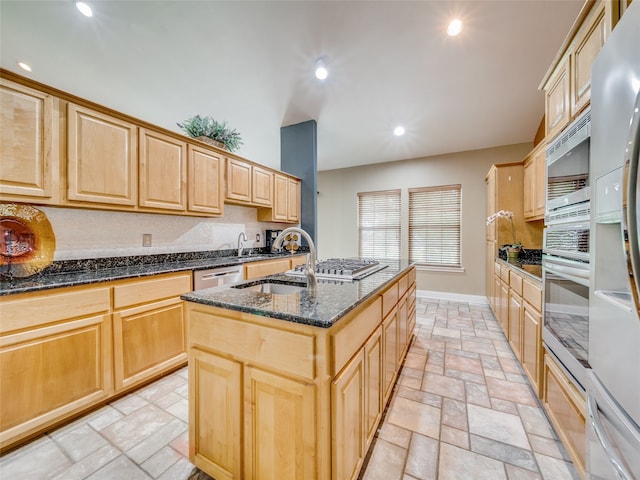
x: 241, y: 237
x: 310, y: 268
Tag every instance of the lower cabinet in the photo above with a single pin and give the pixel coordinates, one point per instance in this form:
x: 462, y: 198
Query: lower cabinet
x: 532, y: 345
x: 515, y: 323
x: 271, y: 267
x: 66, y: 350
x: 565, y: 406
x: 279, y: 400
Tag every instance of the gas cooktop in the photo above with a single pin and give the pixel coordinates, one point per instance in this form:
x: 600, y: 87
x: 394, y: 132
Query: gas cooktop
x: 342, y: 268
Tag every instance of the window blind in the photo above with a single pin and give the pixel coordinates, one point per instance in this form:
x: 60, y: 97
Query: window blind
x: 379, y: 224
x: 434, y: 225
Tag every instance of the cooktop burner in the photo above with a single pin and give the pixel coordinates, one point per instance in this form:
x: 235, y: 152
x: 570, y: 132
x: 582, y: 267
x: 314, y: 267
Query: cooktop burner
x: 342, y: 268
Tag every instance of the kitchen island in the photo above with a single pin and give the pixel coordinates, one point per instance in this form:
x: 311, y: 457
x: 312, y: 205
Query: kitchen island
x: 293, y: 385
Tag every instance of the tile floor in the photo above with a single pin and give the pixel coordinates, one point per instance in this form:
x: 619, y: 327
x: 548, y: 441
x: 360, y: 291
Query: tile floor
x: 462, y: 409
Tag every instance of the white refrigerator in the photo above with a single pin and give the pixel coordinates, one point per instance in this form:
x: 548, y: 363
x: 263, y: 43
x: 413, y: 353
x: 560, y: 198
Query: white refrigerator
x: 613, y: 386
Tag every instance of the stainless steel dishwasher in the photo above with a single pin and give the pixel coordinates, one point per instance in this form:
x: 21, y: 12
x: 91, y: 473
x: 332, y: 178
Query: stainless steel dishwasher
x: 216, y: 277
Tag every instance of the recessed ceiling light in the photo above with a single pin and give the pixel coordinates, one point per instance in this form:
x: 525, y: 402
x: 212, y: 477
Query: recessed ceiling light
x: 398, y: 131
x: 24, y: 66
x: 84, y: 9
x: 321, y: 70
x: 454, y: 28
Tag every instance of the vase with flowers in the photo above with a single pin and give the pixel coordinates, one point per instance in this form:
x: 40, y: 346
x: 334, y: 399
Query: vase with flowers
x: 513, y: 249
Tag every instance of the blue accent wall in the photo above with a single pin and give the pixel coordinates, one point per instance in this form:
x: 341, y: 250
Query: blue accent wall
x: 299, y: 157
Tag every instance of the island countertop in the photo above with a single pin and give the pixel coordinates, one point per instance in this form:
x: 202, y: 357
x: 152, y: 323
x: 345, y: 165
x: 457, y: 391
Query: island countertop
x: 331, y: 302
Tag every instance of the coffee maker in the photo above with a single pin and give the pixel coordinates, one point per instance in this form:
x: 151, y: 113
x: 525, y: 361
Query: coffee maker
x: 270, y: 237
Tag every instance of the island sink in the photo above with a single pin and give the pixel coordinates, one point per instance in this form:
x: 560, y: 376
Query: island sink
x: 272, y: 288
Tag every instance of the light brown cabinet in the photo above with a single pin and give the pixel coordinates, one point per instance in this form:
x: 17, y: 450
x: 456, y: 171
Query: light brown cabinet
x: 66, y: 350
x: 205, y: 170
x: 515, y: 321
x: 535, y: 184
x: 557, y: 98
x: 292, y: 400
x: 271, y: 267
x: 286, y: 201
x: 163, y: 171
x: 248, y: 184
x: 149, y: 328
x: 102, y: 162
x: 55, y: 358
x: 30, y: 144
x: 566, y: 407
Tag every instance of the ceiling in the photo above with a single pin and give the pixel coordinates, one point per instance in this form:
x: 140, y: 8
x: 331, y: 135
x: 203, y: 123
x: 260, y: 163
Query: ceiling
x: 251, y: 64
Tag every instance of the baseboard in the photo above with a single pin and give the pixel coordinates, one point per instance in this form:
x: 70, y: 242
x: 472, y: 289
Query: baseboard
x: 456, y: 297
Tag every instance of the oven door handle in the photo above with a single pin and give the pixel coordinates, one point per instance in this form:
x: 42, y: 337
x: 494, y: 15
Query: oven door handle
x: 603, y: 439
x: 567, y: 269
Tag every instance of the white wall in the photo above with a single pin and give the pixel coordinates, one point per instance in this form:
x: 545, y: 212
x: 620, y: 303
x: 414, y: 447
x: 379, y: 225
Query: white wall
x: 337, y: 207
x: 97, y: 234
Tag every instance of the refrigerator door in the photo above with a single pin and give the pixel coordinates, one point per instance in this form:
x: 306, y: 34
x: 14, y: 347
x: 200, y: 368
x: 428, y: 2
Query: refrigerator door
x: 631, y: 206
x: 613, y: 439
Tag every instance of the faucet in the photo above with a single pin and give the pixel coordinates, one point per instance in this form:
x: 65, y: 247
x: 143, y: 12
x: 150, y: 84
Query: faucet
x: 241, y: 237
x: 310, y: 268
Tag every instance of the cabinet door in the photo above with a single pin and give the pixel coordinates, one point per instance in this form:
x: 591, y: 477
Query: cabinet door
x: 515, y: 323
x: 216, y: 415
x: 53, y: 372
x: 403, y: 327
x: 589, y: 42
x: 102, y: 158
x: 293, y: 200
x: 238, y: 180
x: 206, y: 181
x: 266, y: 267
x: 565, y: 406
x: 280, y: 198
x: 280, y: 428
x: 390, y: 349
x: 557, y: 96
x: 148, y: 340
x: 504, y: 307
x: 532, y: 345
x: 163, y: 171
x: 491, y: 202
x: 489, y: 275
x: 29, y: 144
x: 372, y: 384
x: 348, y: 392
x: 540, y: 194
x: 262, y: 189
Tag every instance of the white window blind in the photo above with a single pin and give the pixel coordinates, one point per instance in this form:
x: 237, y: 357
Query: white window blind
x: 379, y: 224
x: 434, y: 225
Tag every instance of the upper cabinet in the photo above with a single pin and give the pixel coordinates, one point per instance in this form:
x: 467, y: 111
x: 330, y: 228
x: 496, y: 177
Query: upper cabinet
x: 58, y: 149
x: 567, y: 84
x: 29, y: 145
x: 102, y: 158
x: 163, y: 171
x: 286, y: 201
x: 248, y: 184
x: 535, y: 184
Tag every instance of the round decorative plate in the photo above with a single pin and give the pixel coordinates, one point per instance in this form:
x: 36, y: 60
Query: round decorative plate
x: 27, y: 242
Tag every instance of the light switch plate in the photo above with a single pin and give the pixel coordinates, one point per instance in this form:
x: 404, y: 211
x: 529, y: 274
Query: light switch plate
x: 146, y: 239
x: 257, y: 237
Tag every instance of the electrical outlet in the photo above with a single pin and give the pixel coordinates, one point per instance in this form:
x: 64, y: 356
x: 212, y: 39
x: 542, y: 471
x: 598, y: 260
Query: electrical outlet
x: 146, y: 239
x: 257, y: 237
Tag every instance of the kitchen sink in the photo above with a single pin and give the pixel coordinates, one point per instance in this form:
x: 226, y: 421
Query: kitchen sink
x: 272, y: 288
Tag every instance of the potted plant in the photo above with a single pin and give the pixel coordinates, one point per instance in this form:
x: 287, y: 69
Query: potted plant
x: 212, y: 132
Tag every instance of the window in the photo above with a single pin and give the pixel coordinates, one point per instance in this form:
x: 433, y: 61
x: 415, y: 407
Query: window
x: 379, y: 224
x: 434, y: 225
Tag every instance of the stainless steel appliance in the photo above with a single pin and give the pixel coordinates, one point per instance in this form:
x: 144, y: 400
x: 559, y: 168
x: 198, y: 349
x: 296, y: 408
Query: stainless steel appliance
x: 216, y: 277
x: 613, y: 390
x: 565, y: 259
x: 342, y: 268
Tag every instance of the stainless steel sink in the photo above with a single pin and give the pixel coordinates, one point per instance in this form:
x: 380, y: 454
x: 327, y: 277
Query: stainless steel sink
x: 272, y: 288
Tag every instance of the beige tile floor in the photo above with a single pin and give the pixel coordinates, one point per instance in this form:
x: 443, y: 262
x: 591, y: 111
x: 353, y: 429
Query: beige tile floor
x: 462, y: 409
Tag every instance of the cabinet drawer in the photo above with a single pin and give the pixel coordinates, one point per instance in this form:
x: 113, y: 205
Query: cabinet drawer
x: 149, y: 290
x: 353, y: 335
x: 34, y: 309
x: 504, y: 273
x: 403, y: 284
x: 412, y: 276
x: 389, y: 299
x: 515, y: 282
x: 533, y: 294
x: 268, y: 267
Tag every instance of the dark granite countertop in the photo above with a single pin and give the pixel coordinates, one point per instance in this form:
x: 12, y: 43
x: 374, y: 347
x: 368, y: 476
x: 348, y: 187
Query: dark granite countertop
x: 332, y: 301
x: 85, y: 272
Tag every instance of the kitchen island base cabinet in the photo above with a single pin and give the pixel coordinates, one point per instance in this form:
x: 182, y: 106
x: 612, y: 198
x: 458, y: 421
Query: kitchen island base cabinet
x: 274, y: 399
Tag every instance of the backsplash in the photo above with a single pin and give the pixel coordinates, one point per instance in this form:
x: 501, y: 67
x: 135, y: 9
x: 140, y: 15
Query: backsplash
x: 99, y: 234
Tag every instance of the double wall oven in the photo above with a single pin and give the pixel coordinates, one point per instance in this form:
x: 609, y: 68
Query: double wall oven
x: 565, y: 259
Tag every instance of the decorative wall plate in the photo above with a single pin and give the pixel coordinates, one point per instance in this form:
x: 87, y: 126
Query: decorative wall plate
x: 27, y: 242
